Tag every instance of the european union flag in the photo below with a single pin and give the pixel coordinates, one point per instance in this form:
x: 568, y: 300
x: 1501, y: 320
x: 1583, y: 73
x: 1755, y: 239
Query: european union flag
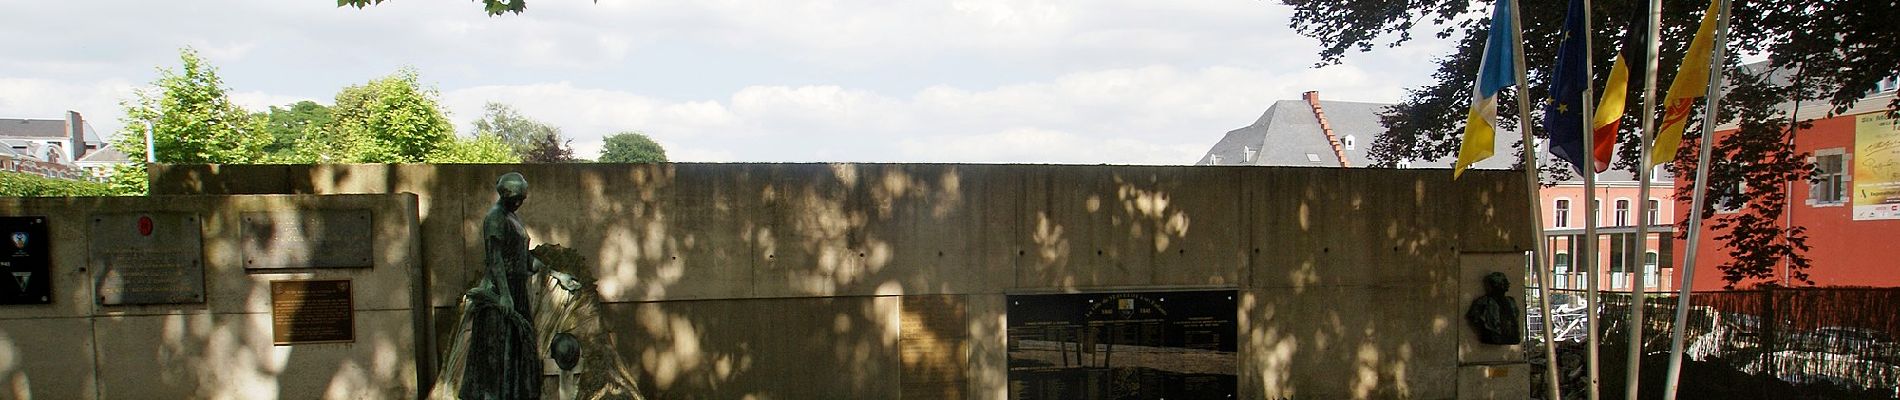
x: 1563, y: 113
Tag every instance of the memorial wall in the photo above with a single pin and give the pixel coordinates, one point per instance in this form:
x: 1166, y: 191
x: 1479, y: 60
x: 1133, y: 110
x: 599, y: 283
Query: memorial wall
x: 211, y: 297
x: 991, y: 281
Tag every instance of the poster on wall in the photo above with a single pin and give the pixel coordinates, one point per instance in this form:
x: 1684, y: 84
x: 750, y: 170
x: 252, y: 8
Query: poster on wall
x: 1123, y: 345
x: 1876, y: 192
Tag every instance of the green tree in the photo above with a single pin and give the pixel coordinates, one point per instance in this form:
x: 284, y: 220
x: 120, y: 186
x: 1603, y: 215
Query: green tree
x: 1832, y: 52
x: 632, y: 147
x: 192, y: 119
x: 291, y: 123
x: 393, y: 119
x: 550, y: 148
x: 518, y: 131
x: 29, y: 185
x: 493, y: 7
x: 477, y: 150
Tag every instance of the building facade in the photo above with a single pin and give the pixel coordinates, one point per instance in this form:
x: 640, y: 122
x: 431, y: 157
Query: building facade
x: 1850, y: 210
x: 66, y: 148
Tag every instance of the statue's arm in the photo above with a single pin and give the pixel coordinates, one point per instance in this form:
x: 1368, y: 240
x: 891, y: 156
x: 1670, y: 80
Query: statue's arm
x: 495, y: 267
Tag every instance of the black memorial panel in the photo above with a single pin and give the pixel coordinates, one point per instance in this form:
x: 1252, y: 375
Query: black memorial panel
x: 1127, y: 345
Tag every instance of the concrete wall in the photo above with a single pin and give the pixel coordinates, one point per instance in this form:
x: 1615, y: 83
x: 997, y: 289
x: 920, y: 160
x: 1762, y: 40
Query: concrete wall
x: 221, y: 348
x: 888, y: 280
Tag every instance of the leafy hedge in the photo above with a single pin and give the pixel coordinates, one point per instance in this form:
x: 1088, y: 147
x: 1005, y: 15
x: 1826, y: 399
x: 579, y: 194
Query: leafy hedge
x: 29, y: 185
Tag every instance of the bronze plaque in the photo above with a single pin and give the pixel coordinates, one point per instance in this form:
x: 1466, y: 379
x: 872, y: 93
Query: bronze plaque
x: 308, y: 239
x: 1123, y: 345
x: 303, y: 312
x: 147, y: 258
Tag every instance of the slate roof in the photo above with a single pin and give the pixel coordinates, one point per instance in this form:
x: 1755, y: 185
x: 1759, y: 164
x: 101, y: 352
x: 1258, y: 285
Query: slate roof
x: 1288, y: 134
x: 32, y: 128
x: 106, y: 154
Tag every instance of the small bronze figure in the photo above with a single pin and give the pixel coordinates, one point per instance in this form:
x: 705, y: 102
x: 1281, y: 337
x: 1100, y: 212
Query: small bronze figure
x: 1494, y: 315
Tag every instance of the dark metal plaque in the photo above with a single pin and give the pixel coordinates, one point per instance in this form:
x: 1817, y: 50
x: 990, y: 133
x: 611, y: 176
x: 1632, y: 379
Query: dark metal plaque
x: 147, y: 258
x: 308, y: 239
x: 26, y: 260
x: 1127, y: 345
x: 303, y: 312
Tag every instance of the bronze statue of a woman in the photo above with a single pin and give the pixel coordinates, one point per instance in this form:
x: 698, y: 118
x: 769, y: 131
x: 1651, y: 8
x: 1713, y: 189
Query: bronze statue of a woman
x: 503, y: 363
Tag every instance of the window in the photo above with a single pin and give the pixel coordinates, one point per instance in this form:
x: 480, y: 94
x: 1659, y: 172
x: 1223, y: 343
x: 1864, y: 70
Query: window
x: 1887, y: 85
x: 1562, y: 212
x: 1213, y: 159
x: 1250, y: 153
x: 1655, y: 207
x: 1596, y: 212
x: 1730, y: 198
x: 1622, y: 212
x: 1403, y: 164
x: 1349, y: 142
x: 1312, y: 157
x: 1649, y: 269
x: 1829, y: 185
x: 1563, y: 269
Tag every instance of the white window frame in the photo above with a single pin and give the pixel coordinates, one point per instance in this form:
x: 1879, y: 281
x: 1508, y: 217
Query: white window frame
x: 1655, y: 211
x: 1560, y: 212
x: 1622, y: 212
x: 1840, y: 180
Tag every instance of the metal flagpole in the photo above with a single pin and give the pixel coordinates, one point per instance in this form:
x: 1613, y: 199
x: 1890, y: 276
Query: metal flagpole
x: 1532, y: 183
x: 1671, y: 378
x: 1637, y: 300
x: 1591, y: 208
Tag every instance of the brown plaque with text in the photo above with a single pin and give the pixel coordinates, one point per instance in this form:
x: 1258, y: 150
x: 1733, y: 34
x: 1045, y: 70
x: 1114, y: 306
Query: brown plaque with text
x: 305, y: 312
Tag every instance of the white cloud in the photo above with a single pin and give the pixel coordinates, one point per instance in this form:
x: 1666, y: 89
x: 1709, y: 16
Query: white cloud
x: 1148, y: 115
x: 98, y: 101
x: 1083, y: 81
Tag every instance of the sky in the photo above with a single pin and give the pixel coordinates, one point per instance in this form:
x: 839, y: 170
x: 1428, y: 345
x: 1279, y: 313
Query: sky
x: 961, y: 81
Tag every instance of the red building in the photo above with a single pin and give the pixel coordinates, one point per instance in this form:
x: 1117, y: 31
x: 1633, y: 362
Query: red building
x: 1851, y: 210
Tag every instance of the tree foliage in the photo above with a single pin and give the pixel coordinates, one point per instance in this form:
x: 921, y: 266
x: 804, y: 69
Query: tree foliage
x: 477, y: 150
x: 29, y: 185
x: 632, y: 147
x: 493, y: 7
x: 192, y: 119
x: 392, y: 119
x: 289, y: 124
x: 1837, y: 51
x: 550, y: 148
x: 519, y: 132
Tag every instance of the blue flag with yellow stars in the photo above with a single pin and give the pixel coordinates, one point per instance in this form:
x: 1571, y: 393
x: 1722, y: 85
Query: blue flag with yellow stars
x: 1563, y: 113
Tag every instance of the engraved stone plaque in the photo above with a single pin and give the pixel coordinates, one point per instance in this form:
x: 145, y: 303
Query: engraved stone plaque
x: 1123, y: 345
x: 147, y: 258
x: 304, y: 312
x: 25, y: 261
x: 308, y: 239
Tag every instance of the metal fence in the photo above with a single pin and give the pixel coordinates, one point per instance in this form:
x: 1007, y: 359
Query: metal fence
x: 1843, y: 336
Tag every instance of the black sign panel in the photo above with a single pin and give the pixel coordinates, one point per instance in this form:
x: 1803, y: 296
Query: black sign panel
x: 1129, y: 345
x: 311, y: 312
x: 26, y: 257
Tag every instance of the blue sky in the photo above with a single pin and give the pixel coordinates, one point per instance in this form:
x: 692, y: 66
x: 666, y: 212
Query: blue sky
x: 983, y: 81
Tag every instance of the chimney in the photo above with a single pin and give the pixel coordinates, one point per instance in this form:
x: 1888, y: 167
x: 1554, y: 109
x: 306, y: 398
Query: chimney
x: 75, y: 129
x: 1326, y: 127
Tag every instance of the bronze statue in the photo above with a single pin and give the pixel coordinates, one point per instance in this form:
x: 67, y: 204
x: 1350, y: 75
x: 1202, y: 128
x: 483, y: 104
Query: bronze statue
x: 503, y: 362
x: 1494, y: 315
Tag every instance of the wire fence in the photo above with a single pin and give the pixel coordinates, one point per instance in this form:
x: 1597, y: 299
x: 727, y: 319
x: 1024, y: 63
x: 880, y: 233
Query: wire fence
x: 1842, y: 336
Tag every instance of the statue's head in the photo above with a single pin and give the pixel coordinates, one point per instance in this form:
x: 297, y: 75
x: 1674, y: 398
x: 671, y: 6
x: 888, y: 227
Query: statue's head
x: 1496, y: 284
x: 513, y: 190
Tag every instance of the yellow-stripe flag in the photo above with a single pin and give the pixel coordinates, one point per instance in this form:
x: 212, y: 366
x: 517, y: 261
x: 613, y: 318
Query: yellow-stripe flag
x: 1495, y: 70
x: 1692, y: 79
